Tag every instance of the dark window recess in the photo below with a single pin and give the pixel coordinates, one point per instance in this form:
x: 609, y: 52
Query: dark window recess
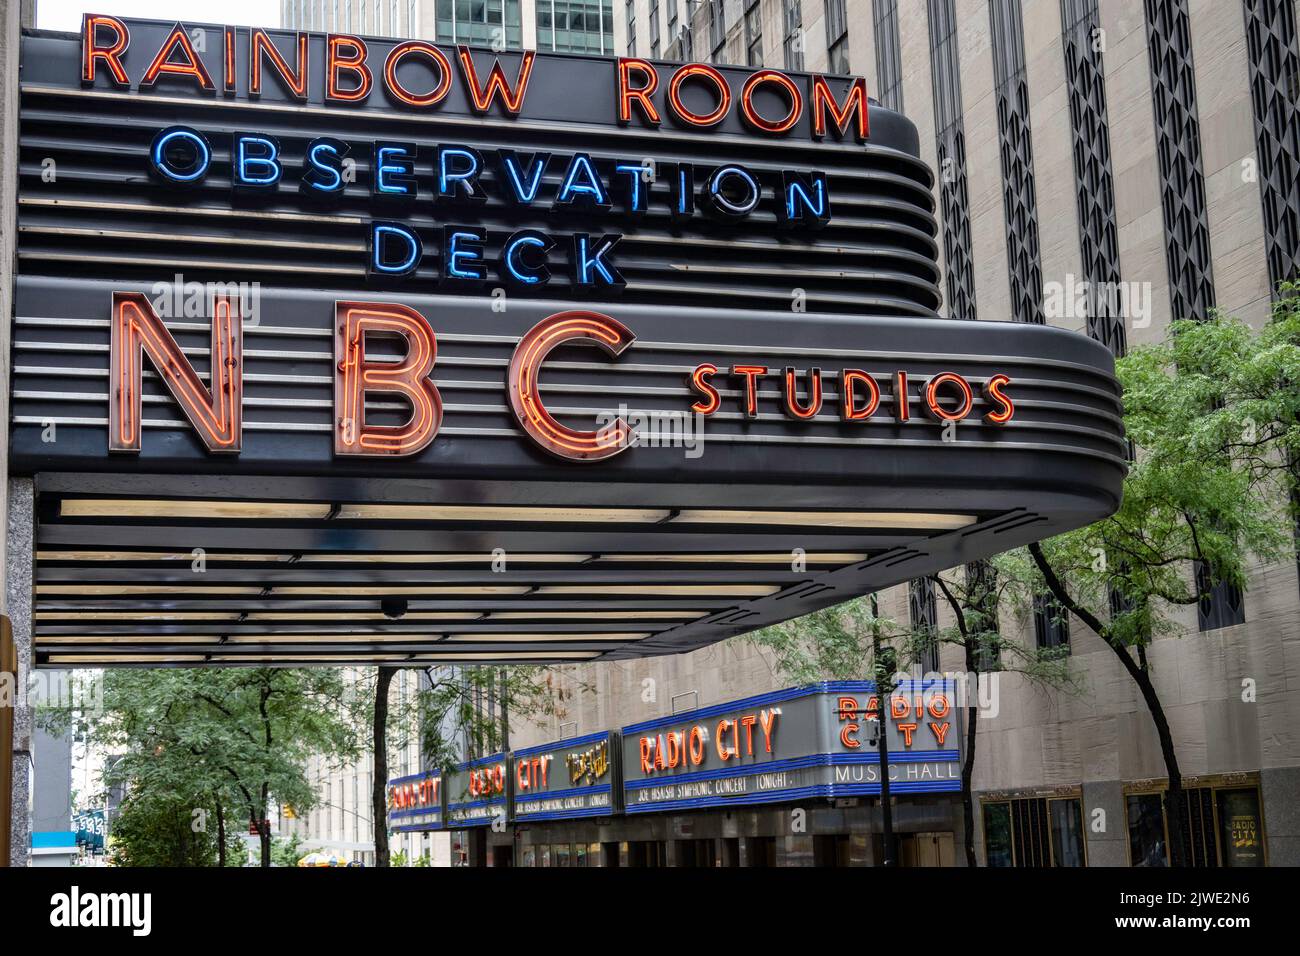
x: 1066, y: 818
x: 923, y: 611
x: 1051, y: 623
x: 950, y: 140
x: 1273, y: 55
x: 754, y: 34
x: 717, y: 31
x: 1015, y: 149
x: 837, y: 37
x: 981, y: 591
x: 792, y: 14
x: 1029, y: 831
x: 1178, y: 152
x: 1146, y: 830
x: 889, y: 58
x: 1148, y: 827
x: 1094, y: 184
x: 1219, y: 603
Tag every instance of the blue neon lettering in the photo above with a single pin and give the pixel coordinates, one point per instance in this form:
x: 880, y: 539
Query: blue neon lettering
x: 315, y: 161
x: 455, y: 255
x: 524, y: 193
x: 446, y: 176
x: 530, y: 277
x: 164, y: 167
x: 818, y: 210
x: 715, y: 189
x: 381, y: 181
x: 635, y: 172
x: 412, y: 244
x: 586, y: 262
x: 269, y: 161
x: 571, y: 187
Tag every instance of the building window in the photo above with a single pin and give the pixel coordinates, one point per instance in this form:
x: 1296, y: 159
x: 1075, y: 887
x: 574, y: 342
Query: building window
x: 1094, y: 186
x: 491, y: 23
x: 575, y: 26
x: 950, y: 140
x: 631, y: 28
x: 793, y: 40
x: 981, y: 593
x: 1178, y: 151
x: 1274, y: 61
x: 717, y: 31
x: 1219, y: 603
x: 1051, y: 624
x: 1035, y: 831
x: 889, y: 59
x: 754, y: 33
x: 837, y: 37
x: 654, y: 29
x: 1019, y: 202
x: 924, y: 614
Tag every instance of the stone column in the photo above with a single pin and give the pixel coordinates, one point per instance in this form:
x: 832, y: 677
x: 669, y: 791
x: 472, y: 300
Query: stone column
x: 18, y: 605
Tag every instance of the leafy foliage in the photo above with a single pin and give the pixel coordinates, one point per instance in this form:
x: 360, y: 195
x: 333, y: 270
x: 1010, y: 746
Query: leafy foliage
x: 221, y: 740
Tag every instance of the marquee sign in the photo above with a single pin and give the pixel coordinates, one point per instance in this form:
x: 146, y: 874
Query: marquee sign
x: 478, y: 791
x: 552, y: 357
x: 415, y: 802
x: 570, y: 778
x: 816, y: 741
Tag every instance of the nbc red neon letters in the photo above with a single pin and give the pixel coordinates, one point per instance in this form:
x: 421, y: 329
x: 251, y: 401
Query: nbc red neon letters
x: 217, y: 414
x: 216, y: 411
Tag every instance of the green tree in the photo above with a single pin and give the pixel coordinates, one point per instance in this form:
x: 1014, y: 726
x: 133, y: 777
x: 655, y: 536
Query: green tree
x: 1212, y: 412
x: 159, y: 829
x: 852, y: 640
x: 225, y: 742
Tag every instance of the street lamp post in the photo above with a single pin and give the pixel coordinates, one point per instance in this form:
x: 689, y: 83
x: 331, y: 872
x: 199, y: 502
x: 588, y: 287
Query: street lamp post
x: 885, y: 661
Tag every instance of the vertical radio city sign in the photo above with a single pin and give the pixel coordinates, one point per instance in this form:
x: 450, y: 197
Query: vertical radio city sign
x: 815, y: 741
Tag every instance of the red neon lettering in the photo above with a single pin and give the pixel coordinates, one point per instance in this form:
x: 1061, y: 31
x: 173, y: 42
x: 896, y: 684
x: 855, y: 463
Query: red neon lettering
x: 111, y: 55
x: 216, y: 414
x: 355, y: 375
x: 609, y: 335
x: 512, y: 100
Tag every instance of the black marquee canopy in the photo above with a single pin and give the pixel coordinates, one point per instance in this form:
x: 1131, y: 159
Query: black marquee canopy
x: 518, y: 358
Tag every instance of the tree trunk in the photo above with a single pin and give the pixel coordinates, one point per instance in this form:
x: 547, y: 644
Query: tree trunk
x: 379, y: 780
x: 972, y: 714
x: 221, y: 835
x: 1142, y: 677
x: 1174, y: 795
x: 264, y: 827
x: 968, y: 766
x: 883, y: 699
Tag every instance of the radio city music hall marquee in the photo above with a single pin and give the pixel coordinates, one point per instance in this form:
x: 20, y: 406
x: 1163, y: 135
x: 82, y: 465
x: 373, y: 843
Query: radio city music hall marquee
x: 477, y: 275
x: 815, y: 741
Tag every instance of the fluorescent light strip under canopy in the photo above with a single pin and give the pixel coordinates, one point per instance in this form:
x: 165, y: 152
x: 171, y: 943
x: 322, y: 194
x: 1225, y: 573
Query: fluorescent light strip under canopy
x: 296, y: 510
x: 345, y: 637
x: 200, y: 657
x: 782, y: 558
